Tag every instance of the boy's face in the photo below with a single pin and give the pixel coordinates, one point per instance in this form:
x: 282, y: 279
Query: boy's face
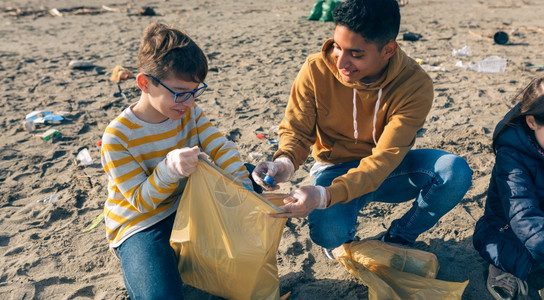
x: 357, y: 59
x: 161, y: 100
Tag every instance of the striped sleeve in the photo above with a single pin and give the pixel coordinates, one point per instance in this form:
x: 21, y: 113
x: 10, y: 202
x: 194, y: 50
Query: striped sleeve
x: 123, y: 159
x: 223, y: 152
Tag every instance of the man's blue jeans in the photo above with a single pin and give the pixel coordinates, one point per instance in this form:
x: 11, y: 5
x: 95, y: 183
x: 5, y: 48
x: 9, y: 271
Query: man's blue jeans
x: 437, y: 180
x: 150, y: 267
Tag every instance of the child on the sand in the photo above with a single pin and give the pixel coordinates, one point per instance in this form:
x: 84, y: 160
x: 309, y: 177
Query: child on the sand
x: 148, y: 152
x: 510, y: 234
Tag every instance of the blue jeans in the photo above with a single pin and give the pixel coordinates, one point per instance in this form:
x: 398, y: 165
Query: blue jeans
x: 150, y: 266
x: 437, y: 180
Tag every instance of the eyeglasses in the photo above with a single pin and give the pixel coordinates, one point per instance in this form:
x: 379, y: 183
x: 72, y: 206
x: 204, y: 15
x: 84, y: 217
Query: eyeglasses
x: 182, y: 96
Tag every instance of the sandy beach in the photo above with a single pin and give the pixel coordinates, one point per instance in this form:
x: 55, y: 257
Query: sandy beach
x: 48, y: 198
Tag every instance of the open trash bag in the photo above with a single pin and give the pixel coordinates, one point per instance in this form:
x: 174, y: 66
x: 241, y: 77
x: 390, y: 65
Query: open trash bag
x: 225, y: 242
x: 392, y: 272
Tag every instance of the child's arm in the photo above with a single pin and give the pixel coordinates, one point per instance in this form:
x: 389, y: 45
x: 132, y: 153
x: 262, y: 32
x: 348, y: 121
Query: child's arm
x: 223, y: 152
x: 145, y: 190
x: 520, y: 202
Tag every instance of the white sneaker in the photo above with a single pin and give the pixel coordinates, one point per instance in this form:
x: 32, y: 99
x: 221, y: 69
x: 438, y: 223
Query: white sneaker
x: 328, y: 253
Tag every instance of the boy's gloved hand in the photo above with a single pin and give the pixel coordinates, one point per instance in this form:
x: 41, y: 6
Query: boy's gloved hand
x: 281, y: 170
x: 301, y: 202
x: 182, y: 162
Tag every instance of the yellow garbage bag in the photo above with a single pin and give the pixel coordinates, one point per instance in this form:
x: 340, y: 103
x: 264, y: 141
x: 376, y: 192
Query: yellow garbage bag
x: 225, y: 242
x: 392, y: 272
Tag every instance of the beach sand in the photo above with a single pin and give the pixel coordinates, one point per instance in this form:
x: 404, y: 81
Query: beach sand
x: 255, y: 51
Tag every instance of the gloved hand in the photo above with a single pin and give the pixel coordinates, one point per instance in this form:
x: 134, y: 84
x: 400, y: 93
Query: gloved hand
x: 281, y: 169
x: 301, y: 202
x: 182, y: 162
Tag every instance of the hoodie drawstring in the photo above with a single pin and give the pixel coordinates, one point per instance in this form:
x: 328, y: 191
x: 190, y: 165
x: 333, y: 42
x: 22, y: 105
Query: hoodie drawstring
x: 355, y: 132
x: 376, y: 107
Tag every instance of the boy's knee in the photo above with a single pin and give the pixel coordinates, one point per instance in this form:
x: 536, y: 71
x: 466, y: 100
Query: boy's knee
x: 330, y: 236
x: 456, y: 171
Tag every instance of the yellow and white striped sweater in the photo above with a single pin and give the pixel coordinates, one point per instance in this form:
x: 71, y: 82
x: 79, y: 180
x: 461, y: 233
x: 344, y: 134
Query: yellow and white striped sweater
x: 140, y: 190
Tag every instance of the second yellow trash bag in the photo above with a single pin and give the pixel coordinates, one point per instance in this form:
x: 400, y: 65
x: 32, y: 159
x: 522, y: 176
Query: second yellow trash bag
x: 225, y: 242
x: 398, y: 273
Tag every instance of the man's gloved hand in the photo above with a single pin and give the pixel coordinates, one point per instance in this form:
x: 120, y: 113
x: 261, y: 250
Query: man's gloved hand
x: 301, y: 202
x: 281, y: 170
x: 182, y: 162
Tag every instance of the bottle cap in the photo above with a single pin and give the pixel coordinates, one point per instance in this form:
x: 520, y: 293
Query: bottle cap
x: 500, y: 37
x: 269, y: 180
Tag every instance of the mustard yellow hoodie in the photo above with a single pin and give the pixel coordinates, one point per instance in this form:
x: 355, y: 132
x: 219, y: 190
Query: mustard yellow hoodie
x: 388, y: 114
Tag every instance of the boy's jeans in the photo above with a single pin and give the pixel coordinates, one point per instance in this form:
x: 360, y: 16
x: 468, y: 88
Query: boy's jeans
x: 437, y: 180
x: 150, y: 267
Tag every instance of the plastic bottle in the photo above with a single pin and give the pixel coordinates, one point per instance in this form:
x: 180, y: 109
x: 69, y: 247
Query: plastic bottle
x: 491, y: 64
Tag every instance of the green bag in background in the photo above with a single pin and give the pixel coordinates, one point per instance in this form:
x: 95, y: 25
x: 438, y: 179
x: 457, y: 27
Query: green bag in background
x: 316, y: 11
x: 327, y: 10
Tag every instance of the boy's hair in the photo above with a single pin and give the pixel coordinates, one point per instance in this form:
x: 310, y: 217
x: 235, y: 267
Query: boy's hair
x: 377, y: 21
x: 530, y: 102
x: 166, y: 51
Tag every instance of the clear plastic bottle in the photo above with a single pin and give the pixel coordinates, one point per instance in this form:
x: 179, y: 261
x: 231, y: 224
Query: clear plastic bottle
x: 491, y: 64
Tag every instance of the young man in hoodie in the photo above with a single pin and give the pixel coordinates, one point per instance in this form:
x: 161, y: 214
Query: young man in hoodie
x: 359, y: 103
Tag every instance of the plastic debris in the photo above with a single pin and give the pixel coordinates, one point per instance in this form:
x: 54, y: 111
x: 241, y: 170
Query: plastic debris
x: 465, y: 51
x: 84, y: 157
x: 97, y: 220
x: 430, y: 68
x: 43, y: 116
x: 49, y: 134
x: 256, y: 155
x: 146, y: 11
x: 491, y: 64
x: 411, y: 36
x: 51, y: 199
x: 260, y: 136
x: 80, y: 64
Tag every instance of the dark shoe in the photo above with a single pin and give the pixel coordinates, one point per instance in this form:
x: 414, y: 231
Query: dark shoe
x: 505, y: 286
x: 395, y: 240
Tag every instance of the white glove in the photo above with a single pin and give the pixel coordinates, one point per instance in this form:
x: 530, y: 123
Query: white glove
x: 182, y: 162
x: 303, y: 201
x: 282, y: 169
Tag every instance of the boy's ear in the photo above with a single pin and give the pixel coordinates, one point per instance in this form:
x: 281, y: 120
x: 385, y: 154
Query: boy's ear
x: 531, y: 122
x: 389, y: 49
x: 143, y: 82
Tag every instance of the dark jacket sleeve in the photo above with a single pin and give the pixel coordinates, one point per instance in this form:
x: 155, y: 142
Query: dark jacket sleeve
x: 519, y: 198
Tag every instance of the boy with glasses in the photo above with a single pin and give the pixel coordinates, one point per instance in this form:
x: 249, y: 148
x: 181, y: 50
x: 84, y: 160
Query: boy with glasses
x: 148, y: 152
x: 358, y: 104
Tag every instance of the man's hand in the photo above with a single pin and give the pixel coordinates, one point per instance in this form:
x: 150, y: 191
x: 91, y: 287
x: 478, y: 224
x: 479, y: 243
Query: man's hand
x: 281, y: 170
x: 182, y: 162
x: 303, y: 201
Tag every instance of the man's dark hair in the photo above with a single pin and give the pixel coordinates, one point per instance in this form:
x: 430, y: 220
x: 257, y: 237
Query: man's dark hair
x: 377, y: 21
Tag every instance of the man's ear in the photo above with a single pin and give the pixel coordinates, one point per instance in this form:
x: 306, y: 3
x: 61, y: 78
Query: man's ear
x: 389, y: 49
x: 531, y: 122
x: 143, y: 82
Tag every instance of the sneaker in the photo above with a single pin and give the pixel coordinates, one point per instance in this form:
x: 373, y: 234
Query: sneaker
x: 503, y: 285
x: 328, y: 253
x: 395, y: 240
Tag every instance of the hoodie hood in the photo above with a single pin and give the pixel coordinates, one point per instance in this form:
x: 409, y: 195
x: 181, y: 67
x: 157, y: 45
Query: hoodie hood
x: 397, y: 63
